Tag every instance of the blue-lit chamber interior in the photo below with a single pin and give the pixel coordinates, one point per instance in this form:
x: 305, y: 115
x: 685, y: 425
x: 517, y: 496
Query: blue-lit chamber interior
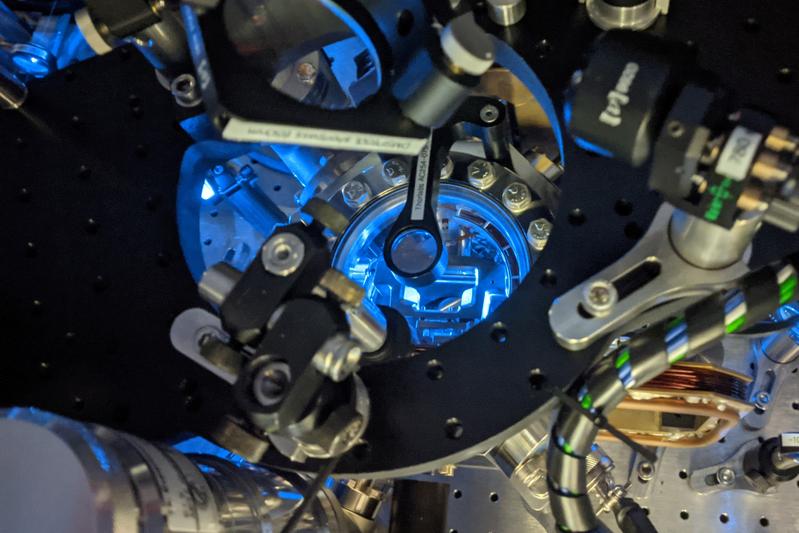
x: 486, y: 258
x: 38, y: 45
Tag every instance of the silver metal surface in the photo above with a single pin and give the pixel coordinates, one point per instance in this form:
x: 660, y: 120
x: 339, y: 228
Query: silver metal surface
x: 13, y: 91
x: 188, y: 330
x: 356, y: 193
x: 92, y: 479
x: 184, y: 89
x: 337, y: 358
x: 165, y: 45
x: 447, y: 168
x: 646, y: 471
x: 507, y: 12
x: 270, y: 384
x: 489, y: 114
x: 516, y: 197
x: 665, y: 497
x: 396, y: 171
x: 367, y: 325
x: 599, y: 297
x: 640, y: 17
x: 707, y: 245
x: 725, y: 475
x: 217, y: 282
x: 282, y: 255
x: 538, y: 233
x: 481, y: 174
x: 89, y: 31
x: 676, y: 279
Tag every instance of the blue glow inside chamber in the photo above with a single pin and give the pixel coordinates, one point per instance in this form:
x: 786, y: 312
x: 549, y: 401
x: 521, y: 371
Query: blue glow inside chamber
x: 486, y: 259
x: 789, y: 312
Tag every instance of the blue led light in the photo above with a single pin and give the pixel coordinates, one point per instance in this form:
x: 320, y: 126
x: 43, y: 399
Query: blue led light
x: 486, y: 257
x: 208, y: 191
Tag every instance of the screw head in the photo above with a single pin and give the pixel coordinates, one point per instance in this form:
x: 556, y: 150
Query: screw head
x: 396, y: 171
x: 306, y: 73
x: 725, y: 475
x: 489, y: 114
x: 538, y: 233
x: 270, y: 383
x: 282, y: 254
x: 447, y: 168
x: 516, y: 197
x: 762, y: 400
x: 481, y: 174
x: 599, y: 297
x: 646, y: 471
x: 356, y: 193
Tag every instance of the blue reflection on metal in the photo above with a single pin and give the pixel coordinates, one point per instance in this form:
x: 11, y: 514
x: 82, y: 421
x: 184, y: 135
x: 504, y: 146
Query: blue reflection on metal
x: 487, y: 257
x: 789, y: 312
x: 199, y: 445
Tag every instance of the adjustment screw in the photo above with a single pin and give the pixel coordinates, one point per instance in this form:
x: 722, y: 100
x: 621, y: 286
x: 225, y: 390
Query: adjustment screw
x: 338, y: 357
x: 282, y: 255
x: 538, y: 233
x: 270, y: 383
x: 489, y: 114
x: 395, y: 171
x: 481, y: 174
x: 762, y: 399
x: 356, y: 193
x: 646, y: 471
x: 516, y: 197
x: 599, y: 297
x: 306, y: 73
x: 725, y: 476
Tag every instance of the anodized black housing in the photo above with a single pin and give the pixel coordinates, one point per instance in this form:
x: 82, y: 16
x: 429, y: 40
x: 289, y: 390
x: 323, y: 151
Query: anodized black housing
x: 618, y: 102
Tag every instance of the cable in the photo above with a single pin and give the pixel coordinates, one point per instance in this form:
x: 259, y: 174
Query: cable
x: 647, y: 356
x: 310, y: 493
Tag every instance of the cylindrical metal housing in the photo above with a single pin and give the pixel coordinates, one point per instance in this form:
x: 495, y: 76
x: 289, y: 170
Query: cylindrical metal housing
x: 93, y: 480
x: 506, y: 12
x: 707, y: 245
x: 217, y: 282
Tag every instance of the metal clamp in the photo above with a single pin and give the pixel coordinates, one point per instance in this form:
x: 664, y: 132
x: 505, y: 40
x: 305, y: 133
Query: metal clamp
x: 650, y: 274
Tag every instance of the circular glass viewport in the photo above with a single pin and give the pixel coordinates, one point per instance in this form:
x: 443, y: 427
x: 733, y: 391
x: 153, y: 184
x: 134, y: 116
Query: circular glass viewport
x: 487, y: 258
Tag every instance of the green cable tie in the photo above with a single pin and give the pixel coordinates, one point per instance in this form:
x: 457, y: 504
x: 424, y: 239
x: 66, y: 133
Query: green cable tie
x: 568, y: 448
x: 675, y: 322
x: 787, y: 289
x: 622, y: 359
x: 587, y: 402
x: 736, y: 324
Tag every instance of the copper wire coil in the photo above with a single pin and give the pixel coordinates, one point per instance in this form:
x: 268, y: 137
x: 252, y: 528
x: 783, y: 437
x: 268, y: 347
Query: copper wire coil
x: 689, y: 378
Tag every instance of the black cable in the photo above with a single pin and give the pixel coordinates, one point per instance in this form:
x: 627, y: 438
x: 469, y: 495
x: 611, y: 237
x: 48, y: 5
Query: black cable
x: 310, y: 494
